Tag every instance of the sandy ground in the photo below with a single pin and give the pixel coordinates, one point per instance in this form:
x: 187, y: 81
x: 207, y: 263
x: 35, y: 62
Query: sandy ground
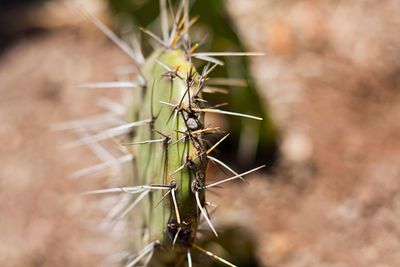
x: 331, y: 80
x: 44, y: 221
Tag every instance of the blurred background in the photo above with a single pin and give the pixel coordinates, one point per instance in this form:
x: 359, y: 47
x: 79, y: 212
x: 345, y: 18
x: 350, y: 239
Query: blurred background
x: 328, y: 87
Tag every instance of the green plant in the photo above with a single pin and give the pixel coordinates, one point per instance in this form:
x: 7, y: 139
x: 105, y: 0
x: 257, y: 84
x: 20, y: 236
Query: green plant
x: 167, y: 141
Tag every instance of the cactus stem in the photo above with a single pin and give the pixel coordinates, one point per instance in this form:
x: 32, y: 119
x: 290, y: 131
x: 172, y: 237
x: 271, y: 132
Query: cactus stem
x: 182, y: 210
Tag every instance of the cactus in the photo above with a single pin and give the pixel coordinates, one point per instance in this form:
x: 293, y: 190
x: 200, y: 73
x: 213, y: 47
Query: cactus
x: 167, y: 143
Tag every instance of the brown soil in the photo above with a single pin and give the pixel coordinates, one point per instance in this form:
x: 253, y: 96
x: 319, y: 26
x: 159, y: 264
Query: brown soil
x: 44, y: 222
x: 331, y: 81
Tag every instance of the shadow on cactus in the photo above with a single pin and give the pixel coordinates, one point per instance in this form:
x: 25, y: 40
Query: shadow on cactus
x: 167, y: 148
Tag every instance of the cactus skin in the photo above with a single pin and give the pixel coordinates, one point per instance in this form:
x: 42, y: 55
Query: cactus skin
x: 155, y: 161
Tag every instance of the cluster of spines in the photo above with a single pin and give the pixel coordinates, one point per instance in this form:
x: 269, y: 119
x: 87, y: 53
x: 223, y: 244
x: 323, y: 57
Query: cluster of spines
x: 191, y: 108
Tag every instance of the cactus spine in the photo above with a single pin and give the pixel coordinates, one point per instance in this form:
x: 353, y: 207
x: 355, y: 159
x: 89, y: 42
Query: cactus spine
x: 179, y: 160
